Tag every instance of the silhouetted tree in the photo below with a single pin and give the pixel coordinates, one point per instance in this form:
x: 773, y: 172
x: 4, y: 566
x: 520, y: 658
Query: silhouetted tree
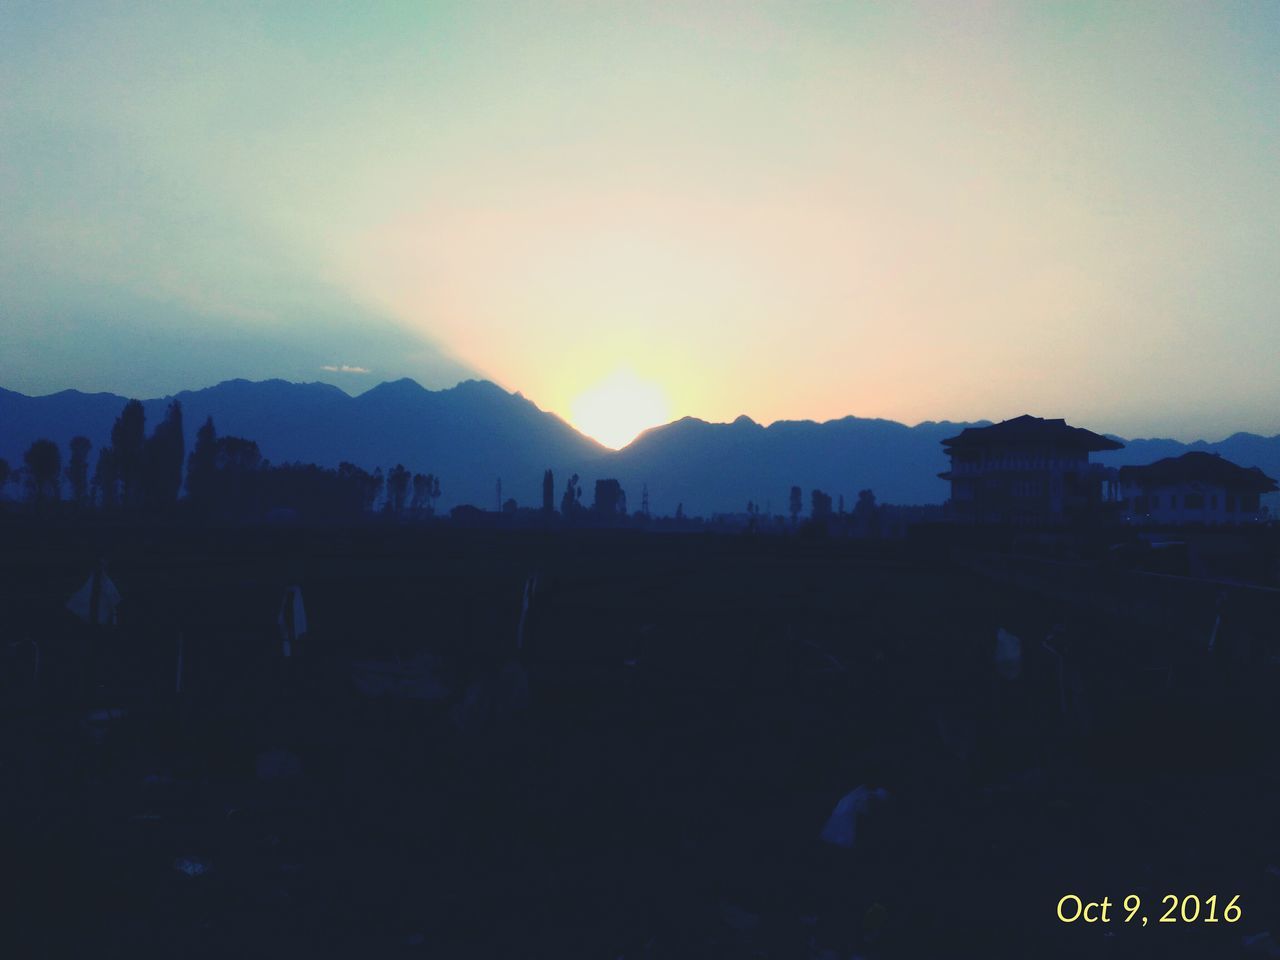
x: 420, y: 501
x: 202, y: 466
x: 548, y: 492
x: 78, y: 469
x: 644, y: 500
x: 237, y: 455
x: 610, y: 499
x: 363, y: 484
x: 679, y: 511
x: 820, y: 506
x: 571, y: 502
x: 866, y: 515
x: 106, y: 479
x: 162, y: 461
x: 128, y: 437
x: 6, y: 472
x: 797, y: 504
x: 311, y: 491
x: 398, y: 481
x: 842, y: 504
x: 510, y: 506
x: 236, y: 488
x: 43, y: 462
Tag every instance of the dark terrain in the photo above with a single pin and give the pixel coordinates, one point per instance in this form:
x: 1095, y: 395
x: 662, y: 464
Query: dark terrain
x: 697, y: 706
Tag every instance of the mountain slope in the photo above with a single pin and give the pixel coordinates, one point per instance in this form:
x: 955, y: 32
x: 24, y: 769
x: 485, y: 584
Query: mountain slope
x: 468, y: 435
x: 720, y: 467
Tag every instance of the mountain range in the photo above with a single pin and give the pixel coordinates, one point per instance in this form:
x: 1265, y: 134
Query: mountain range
x: 476, y: 433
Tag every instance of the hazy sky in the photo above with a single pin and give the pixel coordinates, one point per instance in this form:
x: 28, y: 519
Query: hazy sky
x: 633, y: 212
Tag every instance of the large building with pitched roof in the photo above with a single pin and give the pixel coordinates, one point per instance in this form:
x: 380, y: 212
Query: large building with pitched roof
x: 1028, y: 470
x: 1196, y: 487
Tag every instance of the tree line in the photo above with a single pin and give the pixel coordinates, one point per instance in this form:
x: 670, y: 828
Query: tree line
x: 863, y: 520
x: 225, y: 477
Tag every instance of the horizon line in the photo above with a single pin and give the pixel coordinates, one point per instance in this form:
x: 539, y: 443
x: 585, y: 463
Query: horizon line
x: 643, y: 433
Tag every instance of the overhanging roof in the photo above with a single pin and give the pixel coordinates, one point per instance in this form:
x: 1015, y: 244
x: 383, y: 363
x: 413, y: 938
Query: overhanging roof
x: 1199, y: 467
x: 1027, y: 430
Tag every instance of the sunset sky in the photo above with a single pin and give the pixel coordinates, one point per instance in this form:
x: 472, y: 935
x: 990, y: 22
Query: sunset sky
x: 635, y: 212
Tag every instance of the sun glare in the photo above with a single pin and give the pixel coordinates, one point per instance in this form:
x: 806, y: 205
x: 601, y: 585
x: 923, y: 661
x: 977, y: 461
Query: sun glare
x: 617, y: 409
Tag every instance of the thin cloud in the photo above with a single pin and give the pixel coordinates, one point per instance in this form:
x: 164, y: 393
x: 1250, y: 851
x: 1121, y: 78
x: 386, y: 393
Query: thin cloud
x: 345, y: 368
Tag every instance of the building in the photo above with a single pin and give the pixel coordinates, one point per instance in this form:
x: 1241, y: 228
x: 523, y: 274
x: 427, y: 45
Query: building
x: 1193, y: 488
x: 1027, y: 470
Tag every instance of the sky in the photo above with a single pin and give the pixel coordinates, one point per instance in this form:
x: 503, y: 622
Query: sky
x: 633, y: 212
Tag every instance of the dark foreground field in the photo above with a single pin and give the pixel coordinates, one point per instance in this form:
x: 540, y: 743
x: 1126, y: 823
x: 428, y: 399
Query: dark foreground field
x: 646, y: 776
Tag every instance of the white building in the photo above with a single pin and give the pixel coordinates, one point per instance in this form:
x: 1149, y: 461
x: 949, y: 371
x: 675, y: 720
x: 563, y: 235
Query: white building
x: 1194, y: 488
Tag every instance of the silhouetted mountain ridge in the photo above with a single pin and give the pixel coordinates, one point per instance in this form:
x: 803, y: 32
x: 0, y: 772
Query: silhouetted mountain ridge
x: 476, y: 432
x: 469, y: 435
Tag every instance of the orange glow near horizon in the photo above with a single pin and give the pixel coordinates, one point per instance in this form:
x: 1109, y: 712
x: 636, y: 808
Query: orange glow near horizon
x: 920, y: 259
x: 778, y: 210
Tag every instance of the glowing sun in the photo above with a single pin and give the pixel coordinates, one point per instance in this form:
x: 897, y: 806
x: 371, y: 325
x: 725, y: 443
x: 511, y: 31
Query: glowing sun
x: 618, y: 408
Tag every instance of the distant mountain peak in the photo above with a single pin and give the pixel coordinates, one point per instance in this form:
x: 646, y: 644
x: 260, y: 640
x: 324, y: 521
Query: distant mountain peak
x: 273, y: 383
x: 405, y: 386
x: 486, y: 386
x: 71, y: 392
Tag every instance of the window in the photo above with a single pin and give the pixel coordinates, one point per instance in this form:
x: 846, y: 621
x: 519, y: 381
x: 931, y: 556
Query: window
x: 1249, y: 502
x: 1173, y: 501
x: 1213, y: 502
x: 1231, y: 503
x: 1155, y: 501
x: 1193, y: 501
